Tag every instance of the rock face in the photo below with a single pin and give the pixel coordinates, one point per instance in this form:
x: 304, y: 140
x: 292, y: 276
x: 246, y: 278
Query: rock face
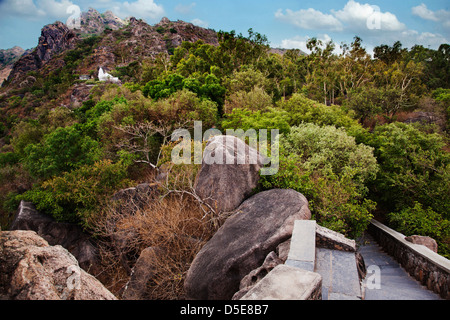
x: 30, y: 269
x: 428, y: 242
x: 241, y: 245
x: 54, y: 39
x: 68, y: 235
x: 229, y: 173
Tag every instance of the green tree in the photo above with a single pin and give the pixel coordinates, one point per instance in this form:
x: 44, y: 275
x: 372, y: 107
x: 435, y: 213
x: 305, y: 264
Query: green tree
x: 414, y: 167
x: 61, y: 150
x: 331, y: 170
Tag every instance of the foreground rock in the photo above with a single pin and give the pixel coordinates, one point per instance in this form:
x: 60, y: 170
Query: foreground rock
x: 428, y: 242
x: 258, y: 226
x: 287, y: 283
x: 30, y: 269
x: 68, y: 235
x: 229, y: 173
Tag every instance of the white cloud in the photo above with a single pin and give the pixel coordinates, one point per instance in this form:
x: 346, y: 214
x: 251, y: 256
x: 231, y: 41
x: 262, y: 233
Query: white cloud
x: 22, y: 8
x: 356, y: 17
x: 200, y: 23
x: 299, y: 42
x: 423, y: 12
x: 140, y: 9
x: 54, y: 8
x: 442, y: 16
x: 309, y: 19
x: 185, y: 9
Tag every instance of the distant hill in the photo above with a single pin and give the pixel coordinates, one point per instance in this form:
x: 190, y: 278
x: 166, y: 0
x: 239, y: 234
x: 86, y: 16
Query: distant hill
x: 282, y: 51
x: 7, y: 59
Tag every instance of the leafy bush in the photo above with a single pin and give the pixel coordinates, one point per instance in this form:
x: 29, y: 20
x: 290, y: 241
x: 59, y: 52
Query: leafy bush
x: 76, y: 196
x: 246, y: 119
x: 414, y: 167
x: 418, y: 220
x: 62, y: 150
x: 331, y: 170
x: 302, y: 109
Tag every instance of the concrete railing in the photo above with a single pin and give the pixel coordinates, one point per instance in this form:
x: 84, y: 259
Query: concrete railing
x: 428, y: 267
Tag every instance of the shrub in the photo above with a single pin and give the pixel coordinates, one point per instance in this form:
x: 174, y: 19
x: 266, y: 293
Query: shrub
x: 77, y: 196
x: 418, y: 220
x: 331, y: 171
x: 62, y: 150
x: 414, y: 167
x: 331, y: 151
x: 302, y: 109
x: 246, y: 119
x: 256, y: 99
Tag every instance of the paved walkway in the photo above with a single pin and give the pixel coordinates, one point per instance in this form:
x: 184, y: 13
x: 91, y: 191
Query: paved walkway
x: 386, y: 279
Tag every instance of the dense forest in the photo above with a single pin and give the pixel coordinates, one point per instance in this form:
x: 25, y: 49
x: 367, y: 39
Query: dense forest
x: 362, y: 135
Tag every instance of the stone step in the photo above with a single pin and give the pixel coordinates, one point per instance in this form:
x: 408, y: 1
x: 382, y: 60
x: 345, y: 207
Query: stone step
x: 340, y: 280
x: 394, y: 282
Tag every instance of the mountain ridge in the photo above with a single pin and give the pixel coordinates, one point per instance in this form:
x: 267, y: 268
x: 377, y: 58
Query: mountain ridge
x: 120, y: 42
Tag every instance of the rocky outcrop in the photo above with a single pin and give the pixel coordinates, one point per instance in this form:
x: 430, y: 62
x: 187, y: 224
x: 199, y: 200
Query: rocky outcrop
x: 93, y: 22
x: 54, y: 39
x: 142, y: 272
x: 229, y: 173
x: 79, y: 94
x: 31, y: 269
x: 241, y: 245
x: 69, y: 236
x: 428, y: 242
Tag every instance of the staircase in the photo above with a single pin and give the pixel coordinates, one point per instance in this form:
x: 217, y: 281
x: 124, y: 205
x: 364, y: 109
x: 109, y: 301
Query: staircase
x: 386, y: 279
x: 340, y: 280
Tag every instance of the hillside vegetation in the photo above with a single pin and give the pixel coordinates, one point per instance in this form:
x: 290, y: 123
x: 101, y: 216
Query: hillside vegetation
x: 361, y: 136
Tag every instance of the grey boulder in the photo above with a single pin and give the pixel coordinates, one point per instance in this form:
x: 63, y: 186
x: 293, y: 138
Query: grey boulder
x: 241, y: 245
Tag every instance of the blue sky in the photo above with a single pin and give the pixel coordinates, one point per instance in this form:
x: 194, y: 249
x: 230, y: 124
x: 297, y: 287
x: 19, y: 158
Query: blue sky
x: 286, y: 23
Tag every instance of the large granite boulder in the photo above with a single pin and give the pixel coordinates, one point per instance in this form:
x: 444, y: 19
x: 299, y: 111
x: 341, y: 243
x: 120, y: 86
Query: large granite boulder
x: 68, y: 235
x: 229, y: 173
x: 241, y: 245
x: 30, y: 269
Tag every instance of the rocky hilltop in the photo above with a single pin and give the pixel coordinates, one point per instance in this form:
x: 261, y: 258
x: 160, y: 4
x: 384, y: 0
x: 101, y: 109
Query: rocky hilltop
x: 55, y: 38
x: 94, y: 23
x: 117, y: 43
